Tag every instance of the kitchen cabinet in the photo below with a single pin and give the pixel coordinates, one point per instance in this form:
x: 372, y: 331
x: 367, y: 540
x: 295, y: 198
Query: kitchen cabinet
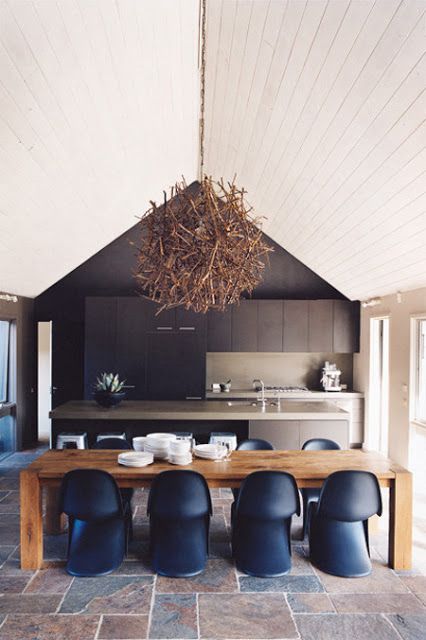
x: 175, y: 366
x: 291, y: 434
x: 133, y: 317
x: 219, y: 328
x: 244, y: 326
x: 162, y: 356
x: 345, y: 326
x: 337, y: 430
x: 270, y: 325
x: 295, y: 326
x: 282, y: 434
x: 100, y: 352
x: 320, y: 332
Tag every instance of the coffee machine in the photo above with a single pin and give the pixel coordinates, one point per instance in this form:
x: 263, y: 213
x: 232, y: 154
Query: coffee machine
x: 331, y: 377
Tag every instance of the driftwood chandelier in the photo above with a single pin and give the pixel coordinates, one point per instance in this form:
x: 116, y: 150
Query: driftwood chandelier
x: 200, y: 250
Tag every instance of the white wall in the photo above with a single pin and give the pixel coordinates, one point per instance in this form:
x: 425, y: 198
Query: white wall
x: 44, y: 379
x: 413, y: 302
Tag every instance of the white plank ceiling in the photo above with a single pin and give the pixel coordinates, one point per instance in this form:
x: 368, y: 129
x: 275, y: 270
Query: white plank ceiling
x: 319, y: 108
x: 99, y: 108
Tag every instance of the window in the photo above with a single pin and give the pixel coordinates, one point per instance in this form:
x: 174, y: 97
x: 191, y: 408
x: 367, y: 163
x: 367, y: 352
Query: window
x: 4, y: 359
x: 419, y: 404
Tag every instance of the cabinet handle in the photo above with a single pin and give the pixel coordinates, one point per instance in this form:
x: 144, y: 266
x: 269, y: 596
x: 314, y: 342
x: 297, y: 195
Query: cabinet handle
x: 164, y: 328
x: 193, y: 398
x: 186, y: 328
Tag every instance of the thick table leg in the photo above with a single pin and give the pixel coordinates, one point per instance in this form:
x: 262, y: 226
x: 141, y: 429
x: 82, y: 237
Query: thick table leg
x: 401, y: 521
x: 31, y: 521
x: 55, y: 522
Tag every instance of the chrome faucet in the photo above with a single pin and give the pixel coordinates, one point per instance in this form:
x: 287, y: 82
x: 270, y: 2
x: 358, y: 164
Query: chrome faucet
x: 262, y: 387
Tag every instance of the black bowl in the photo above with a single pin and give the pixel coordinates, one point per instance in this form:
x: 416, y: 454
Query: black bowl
x: 108, y: 399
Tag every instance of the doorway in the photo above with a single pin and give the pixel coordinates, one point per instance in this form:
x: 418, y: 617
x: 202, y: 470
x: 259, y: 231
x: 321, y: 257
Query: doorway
x: 379, y: 385
x: 44, y: 369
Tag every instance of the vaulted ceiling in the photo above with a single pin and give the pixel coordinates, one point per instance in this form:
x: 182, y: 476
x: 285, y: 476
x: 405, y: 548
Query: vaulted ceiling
x: 318, y: 107
x: 99, y: 108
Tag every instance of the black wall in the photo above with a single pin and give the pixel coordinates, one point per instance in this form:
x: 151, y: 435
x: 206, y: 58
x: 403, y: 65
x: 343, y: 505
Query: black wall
x: 109, y: 272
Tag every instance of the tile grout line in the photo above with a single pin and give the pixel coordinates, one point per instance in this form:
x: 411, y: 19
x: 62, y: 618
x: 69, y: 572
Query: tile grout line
x: 384, y: 616
x: 197, y: 610
x: 151, y: 607
x: 98, y: 629
x: 30, y: 581
x: 64, y: 595
x: 291, y: 614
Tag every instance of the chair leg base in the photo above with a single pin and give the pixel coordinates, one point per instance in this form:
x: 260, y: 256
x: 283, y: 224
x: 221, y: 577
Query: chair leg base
x: 339, y: 575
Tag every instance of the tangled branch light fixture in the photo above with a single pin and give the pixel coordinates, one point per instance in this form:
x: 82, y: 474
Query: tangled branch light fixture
x: 203, y: 250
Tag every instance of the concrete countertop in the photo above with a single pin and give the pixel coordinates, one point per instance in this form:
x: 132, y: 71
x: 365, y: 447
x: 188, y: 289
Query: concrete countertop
x: 293, y: 395
x: 198, y: 410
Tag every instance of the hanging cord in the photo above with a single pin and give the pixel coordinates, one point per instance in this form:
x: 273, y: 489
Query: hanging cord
x: 202, y: 66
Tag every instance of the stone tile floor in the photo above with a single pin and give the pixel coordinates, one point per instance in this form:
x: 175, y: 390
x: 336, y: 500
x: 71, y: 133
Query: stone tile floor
x: 133, y: 603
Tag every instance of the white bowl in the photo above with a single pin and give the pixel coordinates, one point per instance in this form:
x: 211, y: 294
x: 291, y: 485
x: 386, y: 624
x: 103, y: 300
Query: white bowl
x: 180, y: 446
x: 160, y: 440
x: 138, y: 443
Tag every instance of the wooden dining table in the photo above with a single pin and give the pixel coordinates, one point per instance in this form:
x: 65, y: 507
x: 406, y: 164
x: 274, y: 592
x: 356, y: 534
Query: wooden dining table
x: 310, y: 468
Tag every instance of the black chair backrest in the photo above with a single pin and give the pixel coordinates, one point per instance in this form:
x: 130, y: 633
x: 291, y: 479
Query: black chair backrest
x: 320, y: 444
x: 255, y: 444
x: 350, y: 496
x: 90, y: 494
x: 179, y: 494
x: 112, y: 443
x: 268, y: 495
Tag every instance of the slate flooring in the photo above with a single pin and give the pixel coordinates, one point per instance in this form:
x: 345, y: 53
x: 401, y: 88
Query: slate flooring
x: 221, y: 603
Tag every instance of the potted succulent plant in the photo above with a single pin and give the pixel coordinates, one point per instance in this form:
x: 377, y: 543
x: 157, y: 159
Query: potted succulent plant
x: 109, y: 390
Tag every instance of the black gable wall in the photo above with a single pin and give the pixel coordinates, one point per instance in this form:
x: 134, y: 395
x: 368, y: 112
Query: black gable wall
x: 109, y: 272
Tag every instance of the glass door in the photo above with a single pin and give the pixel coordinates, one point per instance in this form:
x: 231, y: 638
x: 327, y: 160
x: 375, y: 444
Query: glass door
x: 378, y: 420
x: 7, y: 387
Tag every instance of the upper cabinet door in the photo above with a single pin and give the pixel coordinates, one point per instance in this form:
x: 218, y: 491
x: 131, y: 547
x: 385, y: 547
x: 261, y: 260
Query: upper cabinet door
x: 244, y: 326
x: 320, y: 326
x: 100, y: 353
x: 345, y: 326
x: 219, y: 330
x: 270, y: 325
x: 133, y: 318
x: 163, y: 321
x: 295, y: 326
x: 189, y: 321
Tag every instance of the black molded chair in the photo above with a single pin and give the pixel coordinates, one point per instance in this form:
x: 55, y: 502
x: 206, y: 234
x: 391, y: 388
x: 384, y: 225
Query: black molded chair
x: 179, y: 507
x: 112, y: 443
x: 252, y: 444
x: 255, y: 444
x: 126, y: 493
x: 261, y: 522
x: 310, y: 496
x: 97, y: 533
x: 338, y: 536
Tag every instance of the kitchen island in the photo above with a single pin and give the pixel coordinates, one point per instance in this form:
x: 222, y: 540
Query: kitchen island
x: 286, y: 424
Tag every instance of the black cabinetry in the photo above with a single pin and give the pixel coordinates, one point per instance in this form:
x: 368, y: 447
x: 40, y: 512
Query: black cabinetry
x: 286, y: 325
x: 244, y: 326
x: 162, y: 355
x: 219, y: 330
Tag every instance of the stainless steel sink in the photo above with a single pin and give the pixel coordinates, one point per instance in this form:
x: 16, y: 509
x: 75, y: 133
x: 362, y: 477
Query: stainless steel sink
x: 247, y: 403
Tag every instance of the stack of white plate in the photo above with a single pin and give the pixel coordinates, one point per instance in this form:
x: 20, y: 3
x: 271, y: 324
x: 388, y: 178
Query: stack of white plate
x: 211, y: 451
x: 158, y: 444
x: 138, y: 443
x: 135, y: 458
x: 180, y: 452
